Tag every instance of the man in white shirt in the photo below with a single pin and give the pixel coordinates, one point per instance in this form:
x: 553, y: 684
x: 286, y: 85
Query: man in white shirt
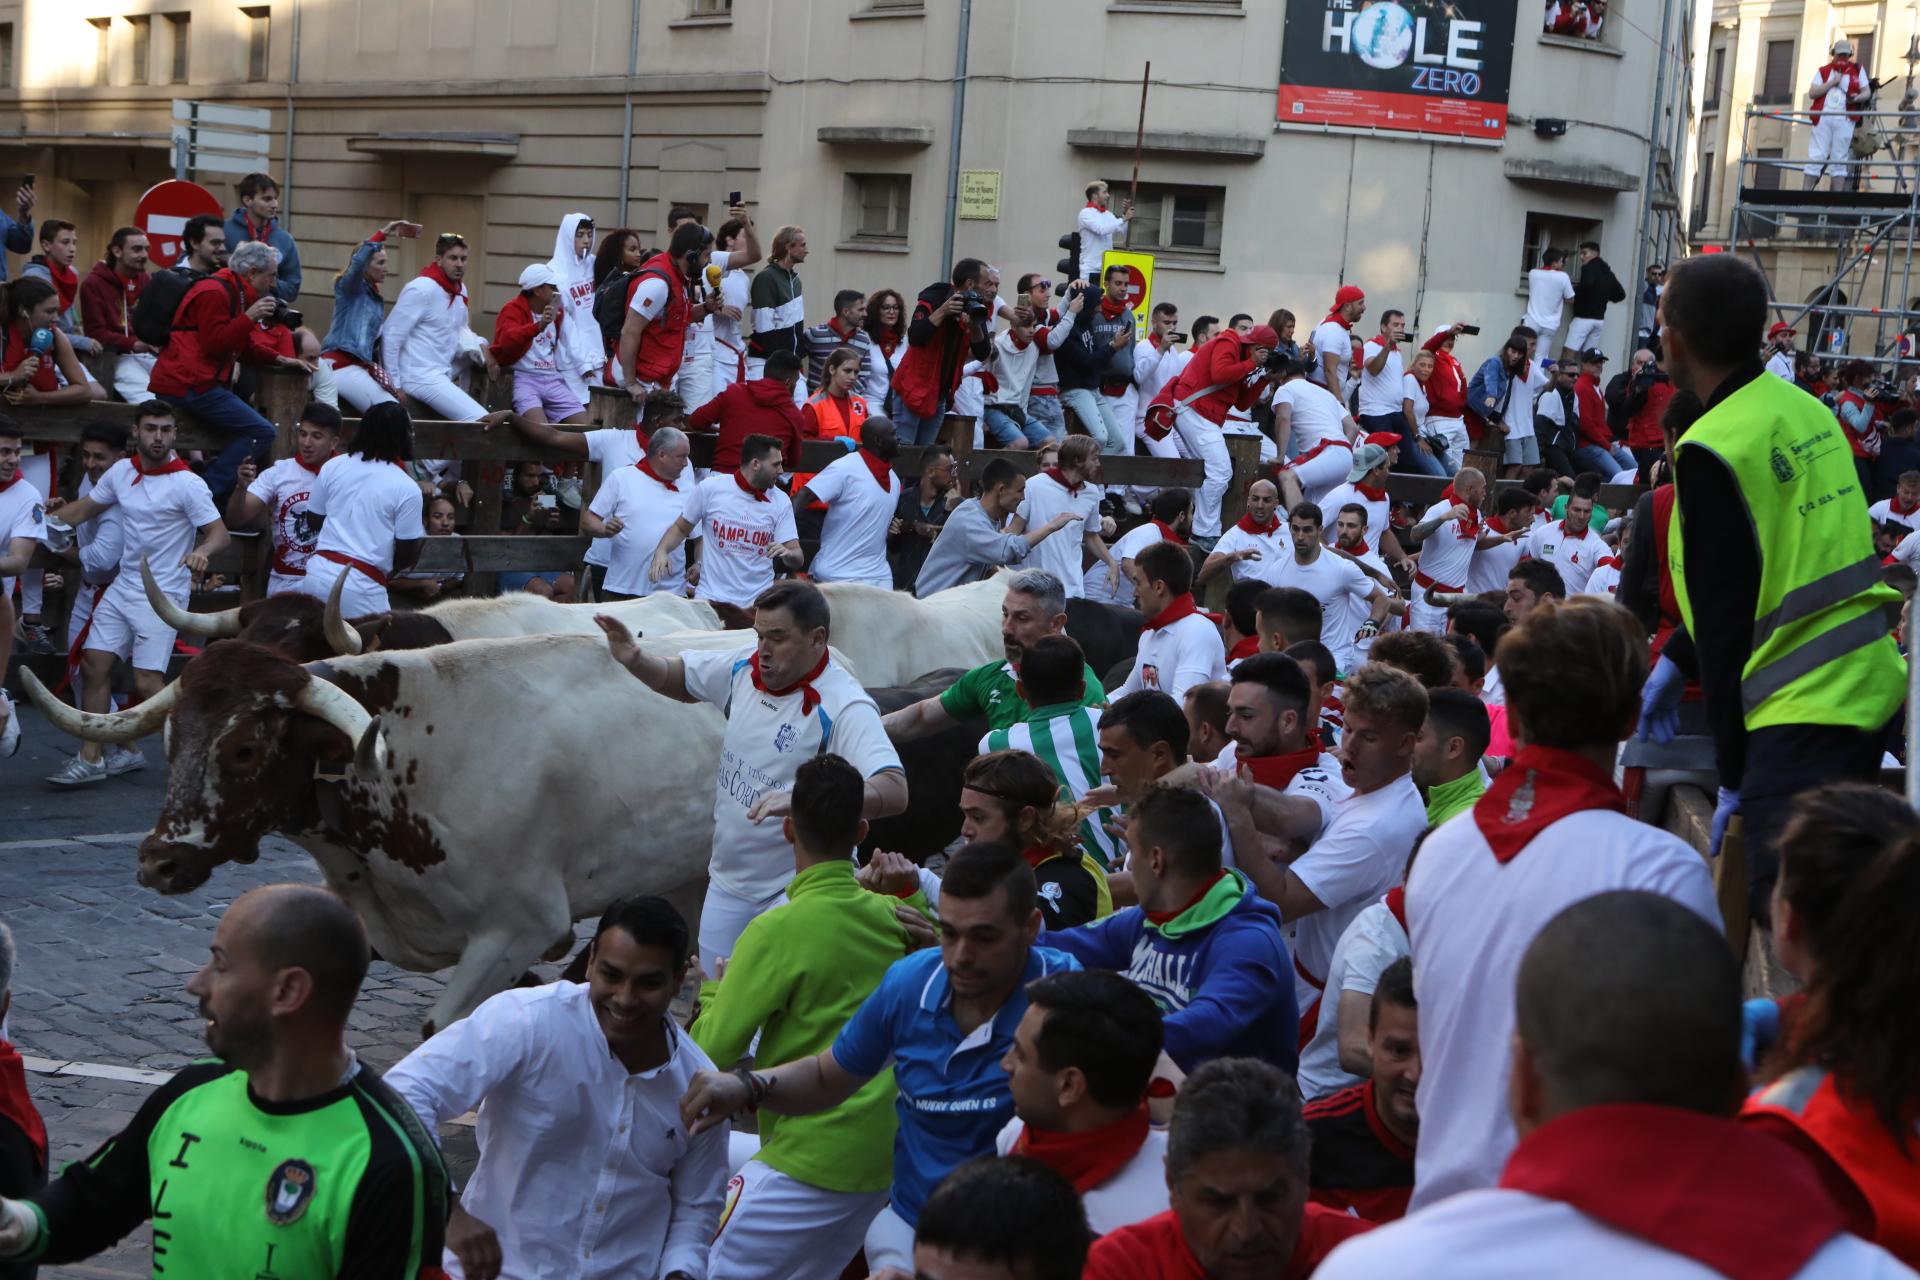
x: 734, y: 246
x: 277, y: 497
x: 1322, y: 433
x: 95, y: 558
x: 1448, y: 535
x: 1382, y: 375
x: 1630, y: 1162
x: 1569, y: 545
x: 1069, y: 488
x: 1171, y: 513
x: 1550, y: 831
x: 1179, y: 646
x: 1157, y: 360
x: 585, y: 1167
x: 1287, y: 790
x: 1337, y: 1055
x: 1549, y: 290
x: 1344, y: 592
x: 1082, y: 1057
x: 1488, y: 569
x: 634, y: 506
x: 426, y: 335
x: 861, y: 492
x: 1256, y: 545
x: 367, y: 515
x: 1366, y: 484
x: 1780, y: 350
x: 786, y: 700
x: 747, y: 525
x: 1097, y: 226
x: 23, y: 527
x: 1902, y: 511
x: 169, y: 519
x: 1332, y: 343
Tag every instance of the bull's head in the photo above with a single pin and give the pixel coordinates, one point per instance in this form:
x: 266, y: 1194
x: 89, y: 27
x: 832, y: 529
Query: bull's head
x: 244, y: 729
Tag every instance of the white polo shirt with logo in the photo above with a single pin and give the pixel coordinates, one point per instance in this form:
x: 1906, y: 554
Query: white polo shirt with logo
x: 736, y: 563
x: 853, y: 538
x: 1448, y: 550
x: 1274, y: 546
x: 1176, y: 657
x: 1574, y: 557
x: 646, y: 508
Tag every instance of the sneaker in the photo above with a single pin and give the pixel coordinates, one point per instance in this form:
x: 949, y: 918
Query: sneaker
x: 121, y: 760
x: 10, y: 730
x: 78, y: 772
x: 37, y: 638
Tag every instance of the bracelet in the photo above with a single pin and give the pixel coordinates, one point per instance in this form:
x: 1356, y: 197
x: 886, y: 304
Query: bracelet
x: 759, y: 1085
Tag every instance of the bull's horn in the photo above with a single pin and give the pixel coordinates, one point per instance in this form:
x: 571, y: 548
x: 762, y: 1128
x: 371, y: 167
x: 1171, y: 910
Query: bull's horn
x: 214, y: 626
x: 331, y: 703
x: 342, y: 637
x: 91, y: 726
x: 370, y: 755
x: 1443, y: 599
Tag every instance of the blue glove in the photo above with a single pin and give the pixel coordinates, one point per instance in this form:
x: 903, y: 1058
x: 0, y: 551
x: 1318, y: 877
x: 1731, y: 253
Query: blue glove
x: 850, y: 443
x: 1723, y: 810
x: 1660, y: 701
x: 1759, y: 1029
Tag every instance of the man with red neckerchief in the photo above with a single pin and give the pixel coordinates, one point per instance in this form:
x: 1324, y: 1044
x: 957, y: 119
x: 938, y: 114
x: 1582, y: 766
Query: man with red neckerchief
x: 1366, y: 484
x: 1179, y: 646
x: 1170, y: 520
x: 1450, y: 532
x: 1253, y: 549
x: 1333, y: 342
x: 861, y: 492
x: 1902, y: 510
x: 1550, y: 831
x: 1513, y: 514
x: 1839, y: 90
x: 632, y: 508
x: 746, y: 526
x: 1069, y: 488
x: 1364, y: 1135
x: 1079, y: 1068
x: 277, y: 497
x: 1626, y: 1074
x: 786, y: 700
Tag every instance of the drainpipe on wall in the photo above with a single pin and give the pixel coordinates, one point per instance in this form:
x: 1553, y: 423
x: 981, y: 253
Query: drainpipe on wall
x: 626, y: 133
x: 293, y: 78
x: 953, y: 144
x: 1643, y: 239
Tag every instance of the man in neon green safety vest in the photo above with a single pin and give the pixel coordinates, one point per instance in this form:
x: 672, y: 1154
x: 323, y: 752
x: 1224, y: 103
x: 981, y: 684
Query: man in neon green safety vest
x: 1786, y: 623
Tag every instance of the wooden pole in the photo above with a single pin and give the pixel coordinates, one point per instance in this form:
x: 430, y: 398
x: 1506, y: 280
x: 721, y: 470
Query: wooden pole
x: 1139, y: 135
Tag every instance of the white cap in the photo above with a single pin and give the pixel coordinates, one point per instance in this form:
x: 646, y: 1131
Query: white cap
x: 1842, y: 45
x: 1438, y: 330
x: 535, y: 276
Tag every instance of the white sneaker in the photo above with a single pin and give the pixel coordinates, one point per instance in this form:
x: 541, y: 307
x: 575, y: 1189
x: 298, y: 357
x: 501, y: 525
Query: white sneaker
x: 9, y: 731
x: 78, y: 772
x: 121, y: 760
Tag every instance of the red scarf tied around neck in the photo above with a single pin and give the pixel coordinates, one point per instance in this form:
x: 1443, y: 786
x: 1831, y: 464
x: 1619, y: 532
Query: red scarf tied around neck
x: 1090, y: 1157
x: 1541, y: 786
x: 646, y: 468
x: 1277, y: 771
x: 1168, y: 535
x: 171, y: 465
x: 66, y: 281
x: 809, y: 697
x: 1246, y: 524
x: 758, y: 495
x: 1059, y: 477
x: 879, y: 468
x: 1244, y: 647
x: 1182, y: 606
x: 16, y: 1104
x: 1370, y: 493
x: 1112, y: 310
x: 439, y: 277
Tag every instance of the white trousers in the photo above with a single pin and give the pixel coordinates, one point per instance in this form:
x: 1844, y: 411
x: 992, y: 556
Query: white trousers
x: 324, y: 385
x: 360, y: 597
x: 775, y: 1227
x: 723, y: 918
x: 130, y: 374
x: 1829, y: 147
x: 1582, y: 334
x: 1422, y: 616
x: 1321, y: 473
x: 729, y: 365
x: 444, y: 397
x: 1203, y: 440
x: 359, y: 388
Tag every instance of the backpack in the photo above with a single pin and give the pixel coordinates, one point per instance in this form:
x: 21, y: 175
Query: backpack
x: 610, y: 307
x: 159, y: 300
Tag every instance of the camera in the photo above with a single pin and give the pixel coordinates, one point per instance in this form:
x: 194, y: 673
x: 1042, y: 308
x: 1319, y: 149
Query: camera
x: 285, y: 316
x: 974, y: 304
x: 1179, y: 338
x: 1405, y: 337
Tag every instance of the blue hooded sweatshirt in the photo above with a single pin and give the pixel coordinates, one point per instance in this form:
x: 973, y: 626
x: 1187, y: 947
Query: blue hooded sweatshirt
x: 1219, y: 971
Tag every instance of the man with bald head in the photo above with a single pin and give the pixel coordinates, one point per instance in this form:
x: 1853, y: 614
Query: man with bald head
x: 283, y: 1156
x: 1450, y: 532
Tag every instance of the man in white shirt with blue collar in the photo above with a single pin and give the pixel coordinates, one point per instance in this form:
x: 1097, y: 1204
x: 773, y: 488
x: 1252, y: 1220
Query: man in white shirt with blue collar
x: 585, y: 1168
x: 786, y: 699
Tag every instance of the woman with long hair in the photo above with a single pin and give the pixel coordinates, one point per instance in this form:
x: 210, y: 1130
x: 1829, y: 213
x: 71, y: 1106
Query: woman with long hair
x: 887, y: 325
x: 36, y: 349
x: 1845, y: 1073
x: 1012, y: 798
x: 358, y: 309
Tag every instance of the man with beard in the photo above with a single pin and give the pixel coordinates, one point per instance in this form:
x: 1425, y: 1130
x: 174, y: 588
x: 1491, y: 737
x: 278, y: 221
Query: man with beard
x: 277, y: 497
x: 1363, y: 1136
x: 286, y: 1098
x: 861, y: 492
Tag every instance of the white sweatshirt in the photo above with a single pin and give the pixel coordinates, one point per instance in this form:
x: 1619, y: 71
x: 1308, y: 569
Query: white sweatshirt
x: 425, y: 333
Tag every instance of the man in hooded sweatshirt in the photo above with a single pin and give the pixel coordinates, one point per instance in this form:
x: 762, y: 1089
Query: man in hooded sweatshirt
x: 763, y: 406
x: 578, y: 357
x: 1202, y: 942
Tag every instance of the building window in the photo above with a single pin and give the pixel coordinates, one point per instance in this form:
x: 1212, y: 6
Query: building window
x: 1863, y: 52
x: 180, y: 27
x: 1574, y: 19
x: 913, y: 5
x: 878, y: 206
x: 6, y: 55
x: 1716, y: 77
x: 1703, y: 190
x: 1776, y: 78
x: 142, y: 47
x: 102, y: 55
x: 698, y: 208
x: 258, y: 19
x: 710, y: 8
x: 1180, y: 221
x: 1553, y: 231
x: 1766, y: 174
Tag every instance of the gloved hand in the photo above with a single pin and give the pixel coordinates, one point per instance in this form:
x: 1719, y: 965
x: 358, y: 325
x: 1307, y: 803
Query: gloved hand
x: 19, y: 1227
x: 1724, y: 808
x: 1759, y: 1029
x: 1660, y: 701
x: 850, y: 443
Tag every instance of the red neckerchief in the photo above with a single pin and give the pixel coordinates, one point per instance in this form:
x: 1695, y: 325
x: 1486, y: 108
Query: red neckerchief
x: 1370, y: 493
x: 1113, y: 310
x: 1335, y: 316
x: 1470, y: 527
x: 758, y: 496
x: 1396, y: 901
x: 315, y: 470
x: 1168, y: 535
x: 1059, y: 477
x: 1277, y: 771
x: 16, y: 1105
x: 1244, y: 647
x: 439, y: 277
x: 1092, y: 205
x: 171, y: 465
x: 1736, y: 1201
x: 1496, y: 525
x: 1360, y: 550
x: 17, y: 353
x: 1182, y: 606
x: 1090, y: 1157
x: 888, y: 341
x: 1039, y: 853
x: 254, y: 231
x: 646, y: 468
x: 1541, y: 786
x: 1894, y: 507
x: 8, y: 484
x: 1246, y: 524
x: 834, y: 324
x: 809, y: 697
x: 66, y: 281
x: 1161, y: 917
x: 1604, y: 561
x: 879, y: 468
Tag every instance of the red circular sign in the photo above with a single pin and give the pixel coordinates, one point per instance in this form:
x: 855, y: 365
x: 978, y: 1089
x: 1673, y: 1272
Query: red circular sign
x: 163, y: 213
x: 1136, y: 288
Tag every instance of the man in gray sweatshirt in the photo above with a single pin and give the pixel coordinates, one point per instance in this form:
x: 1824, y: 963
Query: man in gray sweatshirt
x: 974, y: 542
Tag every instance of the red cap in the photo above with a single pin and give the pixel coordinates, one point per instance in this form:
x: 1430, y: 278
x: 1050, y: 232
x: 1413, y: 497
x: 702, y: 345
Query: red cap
x: 1780, y: 327
x: 1348, y: 293
x: 1262, y: 335
x: 1385, y: 439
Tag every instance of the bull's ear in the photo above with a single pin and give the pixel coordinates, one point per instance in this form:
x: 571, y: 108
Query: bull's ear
x: 370, y: 756
x: 371, y: 629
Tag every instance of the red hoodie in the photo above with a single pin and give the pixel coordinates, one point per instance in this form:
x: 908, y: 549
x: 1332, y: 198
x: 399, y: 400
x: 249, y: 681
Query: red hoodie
x: 516, y: 328
x: 762, y: 407
x: 106, y: 306
x: 212, y: 329
x: 1447, y: 388
x: 1221, y: 361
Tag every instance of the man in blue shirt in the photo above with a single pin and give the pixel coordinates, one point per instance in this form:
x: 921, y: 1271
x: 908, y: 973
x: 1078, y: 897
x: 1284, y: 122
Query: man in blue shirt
x: 258, y: 218
x: 944, y: 1020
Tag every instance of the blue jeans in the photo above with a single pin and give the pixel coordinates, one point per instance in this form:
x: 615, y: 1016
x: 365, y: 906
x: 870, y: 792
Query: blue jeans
x: 1096, y: 415
x: 1605, y: 462
x: 1009, y: 432
x: 1418, y: 461
x: 233, y: 417
x: 1046, y: 411
x: 914, y: 429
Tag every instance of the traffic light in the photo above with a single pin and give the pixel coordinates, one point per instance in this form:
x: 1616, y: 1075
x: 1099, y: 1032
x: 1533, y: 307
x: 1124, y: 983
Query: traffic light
x: 1069, y: 266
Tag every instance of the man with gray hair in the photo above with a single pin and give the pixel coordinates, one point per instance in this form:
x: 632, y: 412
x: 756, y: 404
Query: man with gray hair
x: 1237, y: 1180
x: 1035, y: 606
x: 636, y: 505
x: 23, y: 1135
x: 221, y: 320
x: 975, y: 540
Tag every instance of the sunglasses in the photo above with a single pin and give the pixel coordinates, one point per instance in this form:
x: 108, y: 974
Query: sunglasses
x: 1041, y: 284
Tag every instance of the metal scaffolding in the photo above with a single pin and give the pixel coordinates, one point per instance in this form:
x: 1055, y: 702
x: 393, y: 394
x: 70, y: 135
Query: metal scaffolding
x: 1870, y: 219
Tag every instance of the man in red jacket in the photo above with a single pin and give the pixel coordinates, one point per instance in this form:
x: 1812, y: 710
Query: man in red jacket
x: 1597, y: 451
x: 108, y: 296
x: 1218, y: 378
x: 1447, y: 396
x: 222, y: 319
x: 762, y: 407
x: 948, y: 326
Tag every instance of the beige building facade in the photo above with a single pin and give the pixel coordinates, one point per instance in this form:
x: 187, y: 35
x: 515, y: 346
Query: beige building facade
x: 494, y: 118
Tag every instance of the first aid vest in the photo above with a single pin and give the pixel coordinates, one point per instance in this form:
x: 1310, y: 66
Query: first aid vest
x: 1823, y: 649
x: 834, y: 425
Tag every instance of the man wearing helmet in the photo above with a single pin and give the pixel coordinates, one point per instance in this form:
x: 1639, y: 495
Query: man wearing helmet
x: 1840, y: 90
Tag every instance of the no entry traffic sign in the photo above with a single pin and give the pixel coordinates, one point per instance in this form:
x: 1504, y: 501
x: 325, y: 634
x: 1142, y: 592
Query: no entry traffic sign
x: 163, y: 213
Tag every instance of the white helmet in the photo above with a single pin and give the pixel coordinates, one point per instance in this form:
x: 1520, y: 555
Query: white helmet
x: 1842, y: 46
